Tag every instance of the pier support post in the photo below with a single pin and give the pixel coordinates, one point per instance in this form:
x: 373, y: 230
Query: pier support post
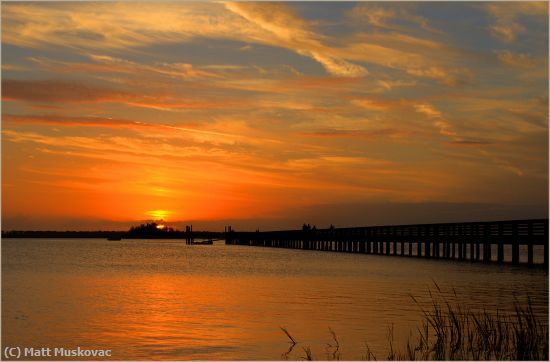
x: 500, y: 252
x: 419, y: 249
x: 394, y: 247
x: 410, y: 248
x: 402, y: 248
x: 530, y: 245
x: 486, y: 252
x: 515, y: 252
x: 545, y: 253
x: 387, y: 248
x: 427, y: 247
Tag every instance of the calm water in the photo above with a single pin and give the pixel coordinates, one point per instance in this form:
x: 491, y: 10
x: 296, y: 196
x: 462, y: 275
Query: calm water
x: 162, y: 299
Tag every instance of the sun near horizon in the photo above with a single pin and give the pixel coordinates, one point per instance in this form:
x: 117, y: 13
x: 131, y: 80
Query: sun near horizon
x: 267, y: 114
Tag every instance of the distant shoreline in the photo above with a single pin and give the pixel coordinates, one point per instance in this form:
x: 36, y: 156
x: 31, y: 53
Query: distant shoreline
x: 106, y: 234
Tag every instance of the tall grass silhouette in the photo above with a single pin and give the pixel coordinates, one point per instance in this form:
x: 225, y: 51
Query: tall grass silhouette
x: 451, y: 331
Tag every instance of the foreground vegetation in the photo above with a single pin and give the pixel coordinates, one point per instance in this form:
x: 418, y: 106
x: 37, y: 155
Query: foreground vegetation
x: 450, y: 331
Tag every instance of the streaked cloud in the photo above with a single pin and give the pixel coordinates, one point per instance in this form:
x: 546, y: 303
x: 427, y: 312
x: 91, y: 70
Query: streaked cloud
x: 516, y: 59
x: 265, y: 23
x: 282, y: 27
x: 77, y: 92
x: 390, y: 16
x: 507, y: 24
x: 259, y: 109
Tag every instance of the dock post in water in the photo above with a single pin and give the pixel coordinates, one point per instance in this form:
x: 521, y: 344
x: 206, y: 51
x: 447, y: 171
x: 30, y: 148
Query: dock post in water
x: 530, y: 245
x: 515, y: 245
x: 500, y: 252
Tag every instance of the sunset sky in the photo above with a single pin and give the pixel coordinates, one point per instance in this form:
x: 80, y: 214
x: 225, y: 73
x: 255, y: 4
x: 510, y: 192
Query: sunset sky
x: 272, y: 114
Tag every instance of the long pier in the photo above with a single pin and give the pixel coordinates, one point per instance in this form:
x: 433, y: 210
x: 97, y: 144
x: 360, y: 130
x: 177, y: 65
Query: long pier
x: 473, y: 241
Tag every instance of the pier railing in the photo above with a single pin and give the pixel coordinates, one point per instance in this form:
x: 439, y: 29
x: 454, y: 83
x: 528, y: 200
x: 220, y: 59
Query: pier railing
x: 474, y: 241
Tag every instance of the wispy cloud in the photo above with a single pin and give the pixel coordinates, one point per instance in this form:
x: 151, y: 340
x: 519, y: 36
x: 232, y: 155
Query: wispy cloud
x: 78, y: 92
x: 520, y: 60
x: 391, y: 17
x: 269, y: 106
x: 117, y: 28
x: 507, y: 25
x: 110, y: 64
x: 383, y: 133
x: 283, y: 28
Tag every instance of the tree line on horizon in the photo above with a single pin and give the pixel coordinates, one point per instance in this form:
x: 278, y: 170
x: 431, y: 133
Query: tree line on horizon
x: 142, y: 231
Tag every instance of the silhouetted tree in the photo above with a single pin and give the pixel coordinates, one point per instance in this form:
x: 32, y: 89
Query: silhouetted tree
x: 150, y: 230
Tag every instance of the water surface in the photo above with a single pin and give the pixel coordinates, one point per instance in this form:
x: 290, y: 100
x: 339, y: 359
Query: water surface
x: 162, y: 299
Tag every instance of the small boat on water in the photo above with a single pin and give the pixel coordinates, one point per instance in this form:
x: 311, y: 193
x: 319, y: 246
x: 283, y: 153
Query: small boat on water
x: 205, y: 242
x: 114, y: 238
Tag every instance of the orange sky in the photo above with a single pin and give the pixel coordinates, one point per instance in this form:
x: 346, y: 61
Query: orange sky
x: 115, y: 113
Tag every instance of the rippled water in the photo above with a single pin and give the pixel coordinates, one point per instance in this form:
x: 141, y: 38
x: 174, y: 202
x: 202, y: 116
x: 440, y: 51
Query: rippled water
x: 162, y: 299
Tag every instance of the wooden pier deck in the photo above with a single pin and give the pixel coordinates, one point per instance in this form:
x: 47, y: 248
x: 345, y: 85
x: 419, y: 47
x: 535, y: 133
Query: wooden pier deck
x: 472, y: 241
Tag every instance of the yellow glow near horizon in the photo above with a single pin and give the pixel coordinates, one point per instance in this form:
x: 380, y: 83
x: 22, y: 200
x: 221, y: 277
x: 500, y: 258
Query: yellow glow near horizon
x: 161, y: 226
x: 158, y: 214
